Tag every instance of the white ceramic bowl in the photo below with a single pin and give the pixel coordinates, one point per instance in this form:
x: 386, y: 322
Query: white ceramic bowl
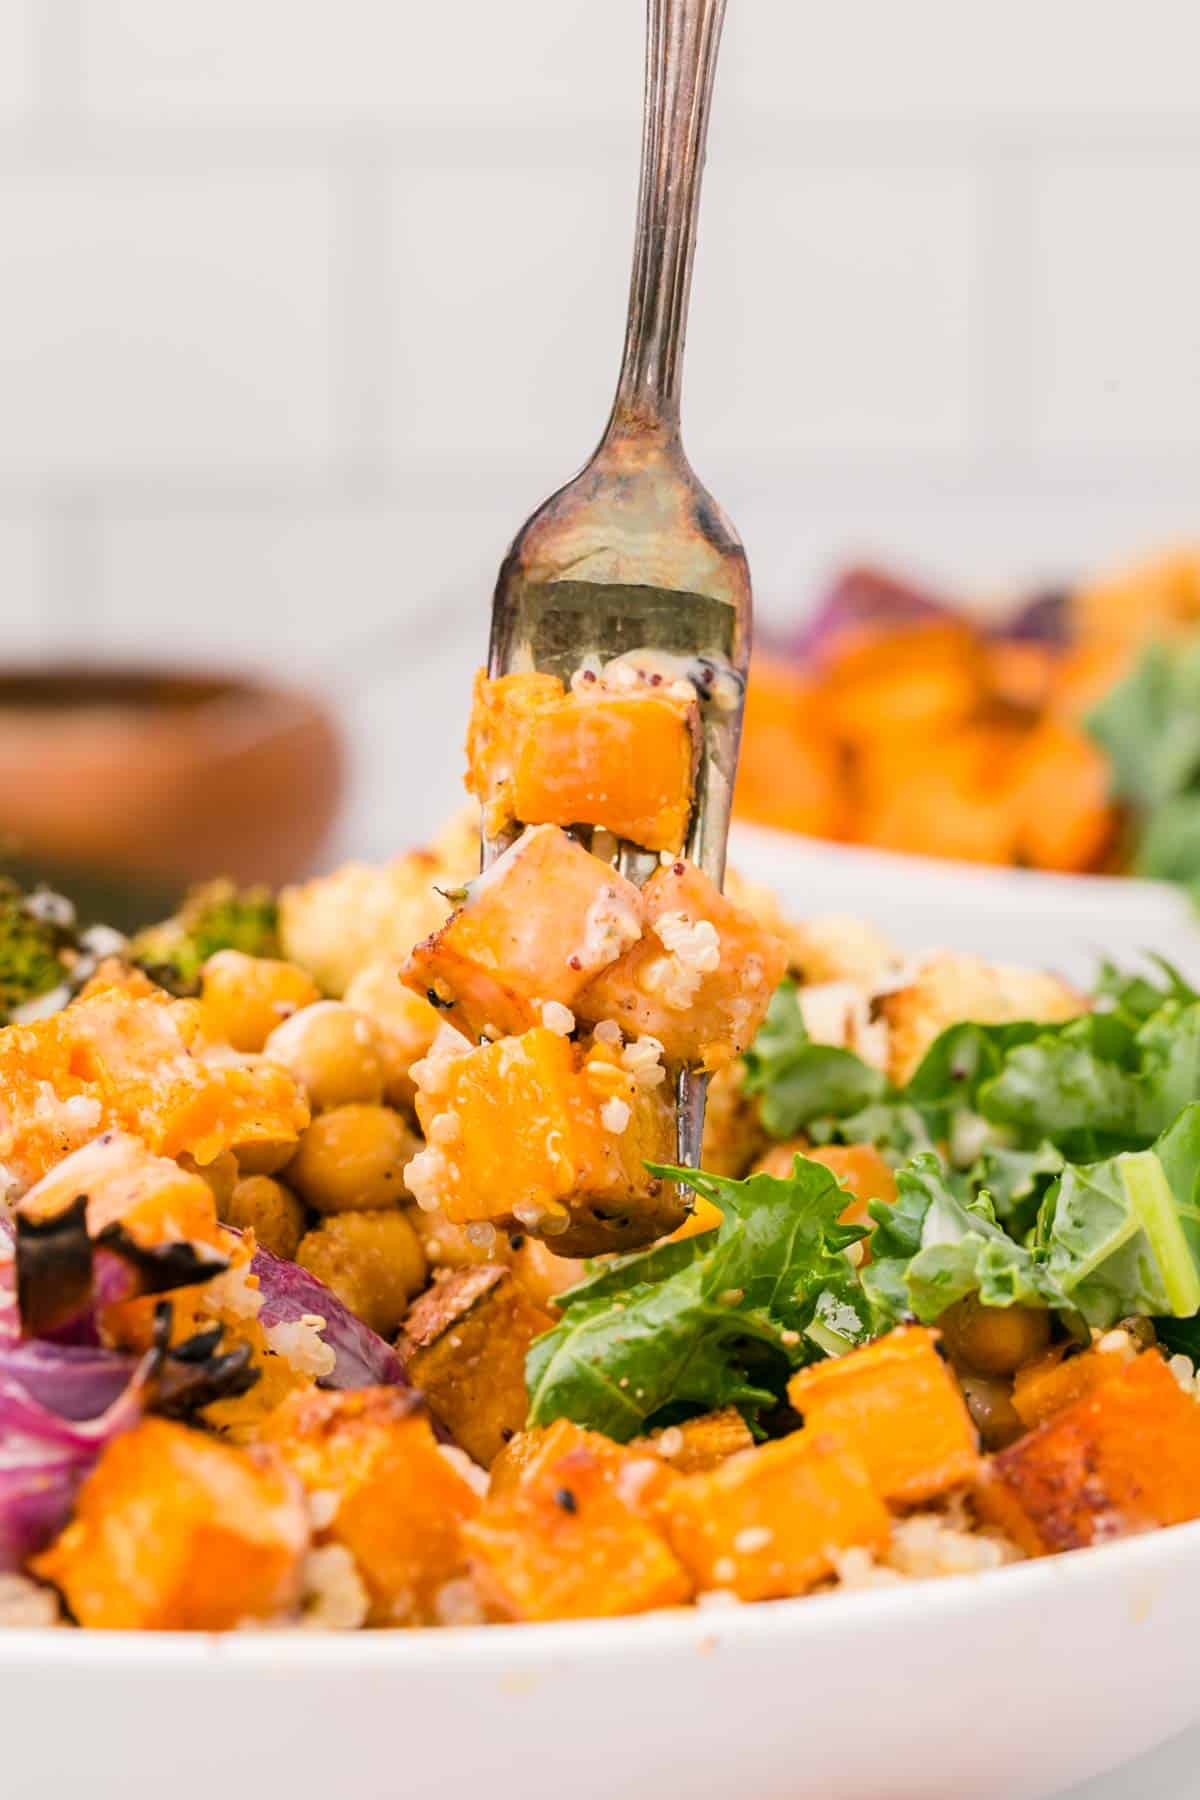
x: 1066, y: 922
x: 994, y: 1687
x: 1012, y: 1684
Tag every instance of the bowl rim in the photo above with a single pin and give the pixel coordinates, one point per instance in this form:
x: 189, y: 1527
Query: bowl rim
x: 513, y: 1649
x: 1031, y: 888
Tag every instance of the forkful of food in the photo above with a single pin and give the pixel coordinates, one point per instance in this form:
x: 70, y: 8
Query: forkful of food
x: 596, y: 964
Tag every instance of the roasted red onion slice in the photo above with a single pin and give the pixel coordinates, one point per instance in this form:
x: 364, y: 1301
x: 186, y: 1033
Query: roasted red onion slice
x: 59, y: 1407
x: 290, y: 1293
x: 867, y: 599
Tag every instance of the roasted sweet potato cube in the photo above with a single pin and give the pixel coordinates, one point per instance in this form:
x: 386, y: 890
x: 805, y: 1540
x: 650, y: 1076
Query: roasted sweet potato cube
x: 700, y: 979
x: 464, y: 1345
x: 1060, y: 794
x: 567, y: 1543
x: 176, y: 1531
x: 534, y: 1133
x: 501, y: 712
x: 642, y: 1474
x: 150, y: 1197
x: 536, y: 928
x: 125, y: 1061
x: 1054, y: 1381
x: 390, y: 1495
x: 765, y: 1523
x: 904, y: 681
x: 623, y: 761
x: 791, y: 771
x: 701, y: 1444
x: 1123, y: 1459
x: 896, y: 1402
x: 159, y: 1220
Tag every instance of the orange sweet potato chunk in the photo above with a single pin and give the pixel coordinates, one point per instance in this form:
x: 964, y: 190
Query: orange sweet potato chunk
x: 543, y: 920
x: 941, y: 793
x: 398, y: 1505
x: 501, y: 711
x: 898, y: 1405
x: 464, y: 1346
x: 568, y: 1541
x: 1060, y: 788
x: 641, y: 1472
x: 150, y: 1197
x: 700, y: 1444
x: 1124, y: 1458
x: 623, y: 761
x: 766, y: 1522
x: 791, y: 770
x: 533, y: 1132
x: 176, y: 1531
x: 1054, y: 1381
x: 127, y: 1061
x: 885, y: 684
x: 701, y: 978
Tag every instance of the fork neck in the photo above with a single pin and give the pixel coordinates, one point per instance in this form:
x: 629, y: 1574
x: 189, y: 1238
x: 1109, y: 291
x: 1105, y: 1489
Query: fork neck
x: 682, y: 38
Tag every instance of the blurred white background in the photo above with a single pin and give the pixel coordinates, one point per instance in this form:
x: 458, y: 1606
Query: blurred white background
x: 304, y: 305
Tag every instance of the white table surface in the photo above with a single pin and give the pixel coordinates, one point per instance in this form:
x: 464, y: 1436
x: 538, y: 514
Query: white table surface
x: 1170, y: 1773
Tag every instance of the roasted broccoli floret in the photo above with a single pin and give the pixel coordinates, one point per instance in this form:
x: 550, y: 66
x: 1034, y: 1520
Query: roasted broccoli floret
x: 39, y: 945
x: 217, y: 915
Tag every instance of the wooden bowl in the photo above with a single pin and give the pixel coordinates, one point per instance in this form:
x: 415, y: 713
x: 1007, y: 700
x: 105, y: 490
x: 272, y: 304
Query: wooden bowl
x: 165, y: 776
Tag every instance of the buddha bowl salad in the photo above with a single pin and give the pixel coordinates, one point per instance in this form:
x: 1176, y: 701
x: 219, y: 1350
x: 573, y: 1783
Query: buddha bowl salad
x: 345, y: 1279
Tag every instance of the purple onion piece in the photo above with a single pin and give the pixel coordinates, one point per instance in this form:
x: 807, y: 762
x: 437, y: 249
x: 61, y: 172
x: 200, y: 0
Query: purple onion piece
x: 37, y: 1492
x: 290, y: 1292
x: 10, y: 1317
x: 864, y: 598
x: 23, y: 1415
x: 1046, y: 619
x: 45, y: 1453
x: 72, y: 1381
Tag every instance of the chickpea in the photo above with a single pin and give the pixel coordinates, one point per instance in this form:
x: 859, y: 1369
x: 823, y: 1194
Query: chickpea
x: 333, y: 1052
x: 264, y: 1157
x: 268, y: 1209
x: 373, y: 1261
x: 221, y: 1174
x: 353, y: 1158
x: 993, y: 1340
x: 990, y: 1404
x: 405, y: 1025
x: 244, y: 997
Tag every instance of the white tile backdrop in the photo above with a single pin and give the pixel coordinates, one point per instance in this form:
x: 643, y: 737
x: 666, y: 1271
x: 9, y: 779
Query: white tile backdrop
x: 304, y: 304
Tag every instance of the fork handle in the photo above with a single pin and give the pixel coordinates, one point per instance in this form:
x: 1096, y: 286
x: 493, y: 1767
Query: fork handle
x: 682, y: 39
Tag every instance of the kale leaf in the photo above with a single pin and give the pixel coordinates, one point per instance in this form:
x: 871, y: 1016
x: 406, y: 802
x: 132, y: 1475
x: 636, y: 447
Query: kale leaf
x: 713, y: 1320
x: 799, y: 1081
x: 931, y: 1249
x: 1096, y: 1085
x: 1149, y: 727
x: 1122, y: 1237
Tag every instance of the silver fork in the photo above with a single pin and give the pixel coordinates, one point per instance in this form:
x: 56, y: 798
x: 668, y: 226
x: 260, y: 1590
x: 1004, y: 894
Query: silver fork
x: 634, y: 553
